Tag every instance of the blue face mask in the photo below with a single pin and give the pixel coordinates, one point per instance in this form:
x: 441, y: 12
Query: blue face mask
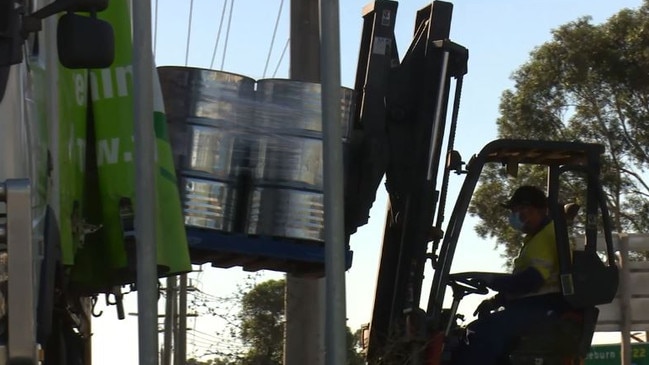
x: 515, y: 221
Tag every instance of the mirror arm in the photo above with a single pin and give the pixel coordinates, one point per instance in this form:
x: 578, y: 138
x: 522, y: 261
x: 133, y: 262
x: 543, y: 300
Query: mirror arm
x: 32, y: 23
x: 51, y: 9
x: 58, y: 6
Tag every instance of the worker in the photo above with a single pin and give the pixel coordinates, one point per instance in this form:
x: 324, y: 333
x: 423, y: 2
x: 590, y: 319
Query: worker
x: 529, y: 295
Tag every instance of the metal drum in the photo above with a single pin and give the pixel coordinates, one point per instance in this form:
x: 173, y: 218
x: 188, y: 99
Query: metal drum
x: 291, y: 106
x: 201, y: 93
x: 209, y: 203
x: 288, y: 160
x: 196, y: 99
x: 288, y: 150
x: 209, y: 115
x: 219, y: 149
x: 287, y: 213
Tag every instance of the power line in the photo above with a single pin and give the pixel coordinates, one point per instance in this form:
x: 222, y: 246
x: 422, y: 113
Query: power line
x: 189, y: 30
x: 272, y: 40
x: 155, y: 28
x: 218, y: 34
x: 204, y: 333
x: 199, y: 292
x: 202, y: 340
x: 288, y: 41
x: 227, y: 35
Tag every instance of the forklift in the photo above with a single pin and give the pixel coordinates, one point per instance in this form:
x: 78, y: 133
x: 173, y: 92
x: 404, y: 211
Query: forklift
x: 400, y: 131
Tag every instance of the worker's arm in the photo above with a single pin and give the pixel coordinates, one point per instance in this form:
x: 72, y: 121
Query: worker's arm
x: 526, y: 281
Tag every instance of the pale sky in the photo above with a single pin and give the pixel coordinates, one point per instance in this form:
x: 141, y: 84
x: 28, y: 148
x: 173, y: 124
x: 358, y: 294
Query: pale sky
x: 499, y: 35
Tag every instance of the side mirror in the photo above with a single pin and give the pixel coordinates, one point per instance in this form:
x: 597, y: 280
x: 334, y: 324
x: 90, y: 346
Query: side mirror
x: 85, y: 42
x: 454, y: 162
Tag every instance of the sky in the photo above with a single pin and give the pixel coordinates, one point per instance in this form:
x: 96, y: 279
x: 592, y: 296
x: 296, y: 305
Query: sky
x: 499, y: 35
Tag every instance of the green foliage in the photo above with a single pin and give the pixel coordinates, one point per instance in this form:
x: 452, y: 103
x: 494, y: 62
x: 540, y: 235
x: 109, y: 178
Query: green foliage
x: 354, y: 355
x: 210, y: 362
x: 262, y: 321
x: 588, y: 83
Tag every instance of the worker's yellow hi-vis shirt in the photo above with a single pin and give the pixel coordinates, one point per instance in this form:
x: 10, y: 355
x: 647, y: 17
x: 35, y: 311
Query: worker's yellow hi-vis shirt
x: 540, y: 252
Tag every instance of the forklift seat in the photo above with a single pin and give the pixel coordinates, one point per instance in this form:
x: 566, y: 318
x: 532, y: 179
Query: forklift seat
x: 592, y: 282
x: 588, y: 281
x: 560, y: 341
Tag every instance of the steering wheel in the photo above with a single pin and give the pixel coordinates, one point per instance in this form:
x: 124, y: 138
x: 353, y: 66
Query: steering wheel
x: 468, y: 283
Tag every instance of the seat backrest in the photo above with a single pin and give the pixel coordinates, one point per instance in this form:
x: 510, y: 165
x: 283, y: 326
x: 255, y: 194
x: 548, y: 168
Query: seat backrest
x: 585, y: 280
x: 590, y: 282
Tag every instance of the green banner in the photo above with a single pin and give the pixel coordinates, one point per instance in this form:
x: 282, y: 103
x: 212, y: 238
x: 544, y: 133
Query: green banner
x: 112, y: 139
x: 611, y: 354
x: 71, y: 160
x: 67, y: 152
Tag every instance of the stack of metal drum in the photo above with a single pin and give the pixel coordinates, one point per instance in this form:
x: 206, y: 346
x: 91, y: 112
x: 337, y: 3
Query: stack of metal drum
x: 249, y: 154
x: 209, y: 114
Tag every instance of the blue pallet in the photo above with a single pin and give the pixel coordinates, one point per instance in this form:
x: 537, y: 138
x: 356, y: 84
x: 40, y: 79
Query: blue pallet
x: 255, y: 253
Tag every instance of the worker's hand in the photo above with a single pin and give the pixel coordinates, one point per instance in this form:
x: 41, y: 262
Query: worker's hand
x: 484, y: 308
x: 489, y: 305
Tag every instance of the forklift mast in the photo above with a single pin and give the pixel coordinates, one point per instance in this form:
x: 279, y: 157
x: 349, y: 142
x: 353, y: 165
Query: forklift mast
x: 399, y: 131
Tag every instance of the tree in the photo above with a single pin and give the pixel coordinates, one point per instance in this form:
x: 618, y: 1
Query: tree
x: 588, y: 83
x: 255, y: 334
x: 262, y: 322
x: 262, y: 326
x: 354, y: 355
x: 216, y: 361
x: 199, y: 362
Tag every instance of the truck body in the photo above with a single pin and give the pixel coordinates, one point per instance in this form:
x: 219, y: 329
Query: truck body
x: 66, y: 113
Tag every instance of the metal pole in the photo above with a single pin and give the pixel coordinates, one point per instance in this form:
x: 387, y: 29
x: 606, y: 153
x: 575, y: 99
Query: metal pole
x: 304, y: 341
x: 166, y: 354
x: 174, y: 320
x: 335, y: 328
x: 181, y: 345
x: 625, y: 299
x: 147, y: 276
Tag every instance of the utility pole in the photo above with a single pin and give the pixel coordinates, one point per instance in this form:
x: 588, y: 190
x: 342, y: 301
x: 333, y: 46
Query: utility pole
x: 335, y: 316
x: 180, y: 349
x: 169, y: 320
x: 174, y: 320
x: 304, y: 303
x: 145, y: 232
